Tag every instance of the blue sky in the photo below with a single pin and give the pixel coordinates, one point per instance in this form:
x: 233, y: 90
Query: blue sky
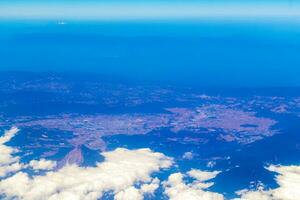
x: 151, y: 9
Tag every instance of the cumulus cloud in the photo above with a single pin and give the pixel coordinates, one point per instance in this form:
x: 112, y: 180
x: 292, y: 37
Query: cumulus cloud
x: 133, y: 193
x: 255, y: 195
x: 288, y: 179
x: 202, y: 175
x: 177, y: 189
x: 130, y: 193
x: 42, y: 164
x: 151, y: 187
x: 8, y: 162
x: 121, y: 170
x: 124, y: 173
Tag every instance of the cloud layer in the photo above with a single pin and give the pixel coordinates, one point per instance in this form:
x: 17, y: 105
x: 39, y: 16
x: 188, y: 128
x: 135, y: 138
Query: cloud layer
x: 126, y: 174
x: 118, y: 173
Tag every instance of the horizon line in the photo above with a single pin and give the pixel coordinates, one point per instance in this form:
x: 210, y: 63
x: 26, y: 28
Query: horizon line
x: 149, y: 11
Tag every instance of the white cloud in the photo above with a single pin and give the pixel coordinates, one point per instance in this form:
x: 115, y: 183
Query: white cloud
x: 8, y: 162
x: 133, y: 193
x: 202, y: 175
x: 130, y: 193
x: 42, y: 164
x: 188, y: 155
x: 255, y: 195
x: 7, y: 169
x: 126, y: 173
x: 177, y: 189
x: 121, y: 169
x: 288, y: 179
x: 8, y: 135
x: 211, y: 164
x: 151, y: 187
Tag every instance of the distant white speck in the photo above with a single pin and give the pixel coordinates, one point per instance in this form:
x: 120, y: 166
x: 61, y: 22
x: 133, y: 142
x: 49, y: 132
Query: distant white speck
x: 61, y: 23
x: 211, y: 164
x: 188, y: 155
